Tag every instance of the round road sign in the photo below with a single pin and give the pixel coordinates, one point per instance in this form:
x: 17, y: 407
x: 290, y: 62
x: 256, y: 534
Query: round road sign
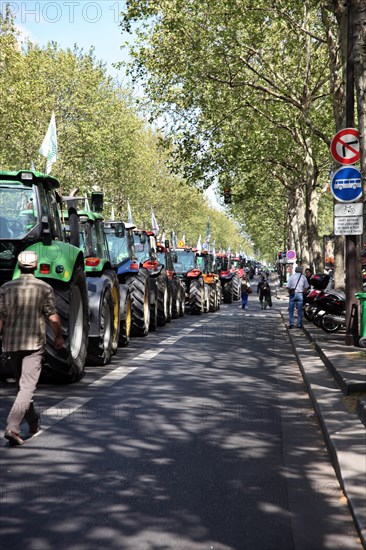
x: 345, y: 146
x: 346, y: 184
x: 291, y: 254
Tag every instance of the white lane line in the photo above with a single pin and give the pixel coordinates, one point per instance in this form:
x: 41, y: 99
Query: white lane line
x: 148, y: 354
x: 70, y: 405
x: 112, y: 377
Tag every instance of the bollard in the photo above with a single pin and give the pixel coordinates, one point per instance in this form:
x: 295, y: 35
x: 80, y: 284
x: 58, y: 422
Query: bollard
x: 361, y: 296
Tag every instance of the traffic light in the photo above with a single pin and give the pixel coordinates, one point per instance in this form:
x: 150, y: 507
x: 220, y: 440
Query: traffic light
x: 227, y: 195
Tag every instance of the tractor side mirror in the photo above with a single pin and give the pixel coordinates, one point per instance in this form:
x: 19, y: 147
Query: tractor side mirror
x: 120, y: 231
x: 97, y: 202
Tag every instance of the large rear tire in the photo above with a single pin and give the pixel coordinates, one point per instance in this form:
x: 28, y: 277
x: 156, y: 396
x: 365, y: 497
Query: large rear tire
x: 227, y: 291
x: 112, y: 276
x: 126, y: 321
x: 196, y: 297
x: 140, y: 291
x: 213, y: 299
x: 176, y: 299
x: 100, y: 348
x: 68, y: 364
x: 162, y: 293
x: 182, y: 303
x: 236, y: 288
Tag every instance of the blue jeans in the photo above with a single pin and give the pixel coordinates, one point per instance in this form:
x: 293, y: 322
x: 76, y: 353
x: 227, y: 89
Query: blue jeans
x: 244, y: 299
x: 295, y: 302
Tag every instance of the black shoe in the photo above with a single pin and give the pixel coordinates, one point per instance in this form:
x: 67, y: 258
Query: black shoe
x: 13, y: 438
x: 290, y: 326
x: 299, y: 326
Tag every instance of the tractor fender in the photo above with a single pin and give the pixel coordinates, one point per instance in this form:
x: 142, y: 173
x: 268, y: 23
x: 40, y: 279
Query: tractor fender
x: 96, y: 289
x: 123, y: 291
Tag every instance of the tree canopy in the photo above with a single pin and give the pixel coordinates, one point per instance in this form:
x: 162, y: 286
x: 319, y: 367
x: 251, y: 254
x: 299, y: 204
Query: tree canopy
x: 103, y: 143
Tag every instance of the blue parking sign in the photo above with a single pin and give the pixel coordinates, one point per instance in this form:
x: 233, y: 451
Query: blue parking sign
x: 346, y: 184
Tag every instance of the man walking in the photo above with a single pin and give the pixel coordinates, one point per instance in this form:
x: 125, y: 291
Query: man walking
x: 296, y: 285
x: 25, y: 304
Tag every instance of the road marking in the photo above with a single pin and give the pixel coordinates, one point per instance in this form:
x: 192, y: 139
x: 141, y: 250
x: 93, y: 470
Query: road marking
x: 112, y: 377
x: 70, y: 405
x: 148, y: 354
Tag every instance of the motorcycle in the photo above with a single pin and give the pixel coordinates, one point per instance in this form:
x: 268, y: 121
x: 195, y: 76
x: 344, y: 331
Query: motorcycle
x: 318, y: 284
x: 331, y: 310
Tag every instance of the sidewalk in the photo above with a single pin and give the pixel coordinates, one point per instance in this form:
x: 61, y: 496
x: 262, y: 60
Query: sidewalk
x: 335, y: 376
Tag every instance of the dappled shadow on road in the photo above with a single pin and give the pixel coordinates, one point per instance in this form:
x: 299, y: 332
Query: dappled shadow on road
x: 186, y: 453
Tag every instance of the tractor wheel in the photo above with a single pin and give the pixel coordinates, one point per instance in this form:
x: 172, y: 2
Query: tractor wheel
x: 125, y: 324
x: 227, y: 291
x: 100, y: 347
x: 207, y: 294
x: 213, y: 299
x: 236, y: 288
x: 140, y: 291
x: 170, y: 301
x: 153, y: 316
x: 218, y: 296
x: 68, y: 363
x: 112, y: 276
x: 196, y: 297
x: 162, y: 294
x: 176, y: 299
x: 182, y: 302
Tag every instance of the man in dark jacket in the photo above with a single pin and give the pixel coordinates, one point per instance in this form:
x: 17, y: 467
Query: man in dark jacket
x: 25, y: 304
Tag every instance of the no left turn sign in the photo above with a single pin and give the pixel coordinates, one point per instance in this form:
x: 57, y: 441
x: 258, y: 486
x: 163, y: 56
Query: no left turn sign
x: 345, y: 146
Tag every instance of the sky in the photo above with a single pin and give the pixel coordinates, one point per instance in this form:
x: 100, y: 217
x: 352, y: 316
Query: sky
x: 67, y: 22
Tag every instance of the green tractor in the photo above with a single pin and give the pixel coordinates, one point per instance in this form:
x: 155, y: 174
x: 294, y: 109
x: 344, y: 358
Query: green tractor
x: 30, y: 220
x: 109, y: 302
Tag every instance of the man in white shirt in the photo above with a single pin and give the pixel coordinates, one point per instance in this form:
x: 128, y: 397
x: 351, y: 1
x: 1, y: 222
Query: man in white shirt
x: 296, y: 285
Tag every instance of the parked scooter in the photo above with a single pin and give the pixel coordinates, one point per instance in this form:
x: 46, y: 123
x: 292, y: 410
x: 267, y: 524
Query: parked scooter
x: 331, y: 310
x: 319, y: 283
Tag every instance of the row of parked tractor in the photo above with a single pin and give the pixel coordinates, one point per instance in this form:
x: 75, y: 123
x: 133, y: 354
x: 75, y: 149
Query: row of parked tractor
x: 111, y: 279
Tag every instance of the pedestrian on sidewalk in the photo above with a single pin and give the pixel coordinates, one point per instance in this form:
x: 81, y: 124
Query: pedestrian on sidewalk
x: 308, y: 274
x: 25, y: 304
x: 264, y: 291
x: 296, y: 286
x: 245, y: 291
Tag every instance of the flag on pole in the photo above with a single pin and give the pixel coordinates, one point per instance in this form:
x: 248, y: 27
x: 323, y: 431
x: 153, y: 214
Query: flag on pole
x: 213, y: 247
x: 49, y: 146
x: 174, y: 239
x: 112, y: 214
x: 154, y: 223
x: 32, y: 166
x: 129, y: 213
x: 199, y: 244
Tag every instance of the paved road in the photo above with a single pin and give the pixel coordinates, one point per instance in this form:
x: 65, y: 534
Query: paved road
x: 199, y: 437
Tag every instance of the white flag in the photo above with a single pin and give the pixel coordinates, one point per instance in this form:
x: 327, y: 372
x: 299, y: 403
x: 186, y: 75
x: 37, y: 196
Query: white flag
x: 129, y: 213
x: 199, y: 244
x: 49, y: 146
x: 154, y: 223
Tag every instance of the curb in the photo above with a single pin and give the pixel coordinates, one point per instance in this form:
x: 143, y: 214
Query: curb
x: 344, y: 435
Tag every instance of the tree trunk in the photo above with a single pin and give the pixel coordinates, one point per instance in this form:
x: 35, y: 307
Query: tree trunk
x: 359, y: 60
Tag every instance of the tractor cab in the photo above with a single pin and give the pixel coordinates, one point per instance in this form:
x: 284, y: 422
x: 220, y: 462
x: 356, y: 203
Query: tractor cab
x: 29, y: 215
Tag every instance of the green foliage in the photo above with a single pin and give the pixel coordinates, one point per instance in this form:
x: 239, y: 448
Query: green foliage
x: 246, y: 88
x: 103, y: 144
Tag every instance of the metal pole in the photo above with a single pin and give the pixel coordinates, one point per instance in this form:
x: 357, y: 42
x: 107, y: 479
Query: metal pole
x: 351, y: 240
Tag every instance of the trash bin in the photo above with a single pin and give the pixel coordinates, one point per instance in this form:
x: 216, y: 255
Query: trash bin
x: 361, y: 296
